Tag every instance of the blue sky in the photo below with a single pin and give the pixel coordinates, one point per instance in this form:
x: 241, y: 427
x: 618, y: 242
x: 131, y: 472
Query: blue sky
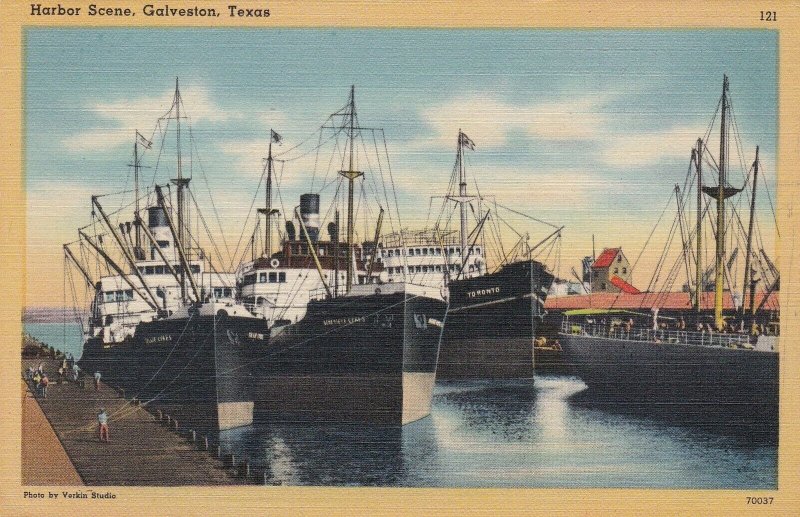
x: 589, y: 129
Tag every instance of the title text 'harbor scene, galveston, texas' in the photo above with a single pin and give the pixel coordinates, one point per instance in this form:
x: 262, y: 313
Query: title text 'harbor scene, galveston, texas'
x: 423, y: 258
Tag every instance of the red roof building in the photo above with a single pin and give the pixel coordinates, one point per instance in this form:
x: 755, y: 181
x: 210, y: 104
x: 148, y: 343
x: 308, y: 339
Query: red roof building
x: 606, y: 258
x: 611, y: 273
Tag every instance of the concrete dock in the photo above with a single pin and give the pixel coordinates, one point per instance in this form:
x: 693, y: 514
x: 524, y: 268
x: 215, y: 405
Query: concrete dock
x: 142, y: 451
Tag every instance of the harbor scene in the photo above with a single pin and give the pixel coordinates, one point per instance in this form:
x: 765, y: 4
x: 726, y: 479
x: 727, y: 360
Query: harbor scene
x: 485, y: 259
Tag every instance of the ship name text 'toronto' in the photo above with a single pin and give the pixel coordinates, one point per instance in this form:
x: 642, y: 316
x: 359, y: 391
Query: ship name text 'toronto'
x: 483, y: 292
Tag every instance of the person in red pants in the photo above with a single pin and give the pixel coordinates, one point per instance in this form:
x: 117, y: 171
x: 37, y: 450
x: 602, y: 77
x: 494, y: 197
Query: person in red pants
x: 102, y: 421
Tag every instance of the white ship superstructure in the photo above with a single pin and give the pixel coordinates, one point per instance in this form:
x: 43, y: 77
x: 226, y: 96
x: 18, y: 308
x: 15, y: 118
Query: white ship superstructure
x: 277, y: 286
x: 119, y: 306
x: 425, y: 258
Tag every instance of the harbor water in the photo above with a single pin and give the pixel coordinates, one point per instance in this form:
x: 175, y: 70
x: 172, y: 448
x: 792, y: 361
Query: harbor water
x: 496, y: 434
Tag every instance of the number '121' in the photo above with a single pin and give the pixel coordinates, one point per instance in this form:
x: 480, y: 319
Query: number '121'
x: 769, y: 16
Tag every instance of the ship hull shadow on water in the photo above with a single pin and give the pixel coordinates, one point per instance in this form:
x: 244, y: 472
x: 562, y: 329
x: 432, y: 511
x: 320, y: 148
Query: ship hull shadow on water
x: 731, y: 391
x: 368, y: 358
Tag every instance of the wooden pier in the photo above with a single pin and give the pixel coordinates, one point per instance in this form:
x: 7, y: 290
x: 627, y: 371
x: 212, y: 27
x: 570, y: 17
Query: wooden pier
x: 142, y: 450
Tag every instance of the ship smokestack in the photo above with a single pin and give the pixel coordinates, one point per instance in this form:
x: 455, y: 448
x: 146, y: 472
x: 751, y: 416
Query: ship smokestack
x: 156, y: 218
x: 333, y: 232
x: 309, y: 214
x: 159, y: 227
x: 290, y: 230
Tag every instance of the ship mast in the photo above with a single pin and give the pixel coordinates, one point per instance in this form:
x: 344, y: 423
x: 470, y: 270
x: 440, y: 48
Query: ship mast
x: 138, y: 246
x: 723, y: 159
x: 698, y: 279
x: 720, y: 193
x: 268, y: 210
x: 181, y: 183
x: 462, y: 192
x: 747, y: 272
x: 351, y: 175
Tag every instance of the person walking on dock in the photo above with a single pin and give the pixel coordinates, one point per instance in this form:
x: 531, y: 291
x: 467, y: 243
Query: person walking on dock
x: 97, y: 381
x: 102, y: 422
x: 37, y: 378
x: 75, y: 371
x: 44, y: 382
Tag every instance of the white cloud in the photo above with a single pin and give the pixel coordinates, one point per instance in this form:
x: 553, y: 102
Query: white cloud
x: 636, y: 150
x: 489, y: 121
x: 118, y: 120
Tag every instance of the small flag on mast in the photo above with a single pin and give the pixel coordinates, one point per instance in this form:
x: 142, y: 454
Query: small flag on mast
x: 275, y: 137
x: 467, y: 142
x: 142, y: 140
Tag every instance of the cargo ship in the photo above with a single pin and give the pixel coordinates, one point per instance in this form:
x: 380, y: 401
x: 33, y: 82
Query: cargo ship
x: 711, y: 363
x: 166, y: 327
x: 344, y: 344
x: 492, y: 316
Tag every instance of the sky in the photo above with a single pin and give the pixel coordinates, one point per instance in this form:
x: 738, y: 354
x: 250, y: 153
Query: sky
x: 589, y: 129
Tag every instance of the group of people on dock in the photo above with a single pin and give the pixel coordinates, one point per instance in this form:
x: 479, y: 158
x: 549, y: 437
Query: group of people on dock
x: 68, y: 370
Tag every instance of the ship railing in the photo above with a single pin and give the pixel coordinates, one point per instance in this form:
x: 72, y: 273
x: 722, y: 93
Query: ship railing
x: 621, y: 332
x: 322, y: 294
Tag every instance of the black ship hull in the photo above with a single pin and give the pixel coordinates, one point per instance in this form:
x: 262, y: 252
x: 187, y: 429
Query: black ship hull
x: 354, y: 359
x: 492, y: 322
x: 116, y: 362
x: 197, y: 369
x: 732, y: 389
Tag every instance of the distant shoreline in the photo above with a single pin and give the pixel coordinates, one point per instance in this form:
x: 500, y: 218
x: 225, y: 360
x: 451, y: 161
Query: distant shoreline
x: 48, y: 315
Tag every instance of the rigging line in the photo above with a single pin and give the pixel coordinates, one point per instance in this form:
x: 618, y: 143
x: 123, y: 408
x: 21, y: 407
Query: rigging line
x: 633, y: 267
x: 394, y: 191
x: 496, y: 235
x: 244, y: 226
x: 526, y: 215
x: 308, y: 138
x: 738, y: 139
x: 451, y: 189
x: 511, y: 227
x: 708, y: 155
x: 763, y: 171
x: 316, y: 160
x: 279, y: 189
x: 372, y: 183
x: 202, y: 219
x: 126, y: 191
x: 160, y: 149
x: 211, y: 197
x: 383, y: 179
x: 200, y: 349
x: 653, y: 285
x: 74, y: 291
x: 166, y: 359
x: 713, y: 119
x: 283, y: 350
x: 334, y: 135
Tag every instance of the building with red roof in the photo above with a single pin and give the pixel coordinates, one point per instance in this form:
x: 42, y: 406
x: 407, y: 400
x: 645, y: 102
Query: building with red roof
x: 611, y: 273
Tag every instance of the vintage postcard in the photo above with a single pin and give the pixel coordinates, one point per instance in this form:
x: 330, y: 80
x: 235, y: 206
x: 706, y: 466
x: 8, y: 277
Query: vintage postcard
x: 399, y: 257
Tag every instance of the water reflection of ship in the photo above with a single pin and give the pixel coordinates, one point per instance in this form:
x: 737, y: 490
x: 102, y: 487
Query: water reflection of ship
x: 506, y: 403
x: 327, y: 454
x: 678, y: 365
